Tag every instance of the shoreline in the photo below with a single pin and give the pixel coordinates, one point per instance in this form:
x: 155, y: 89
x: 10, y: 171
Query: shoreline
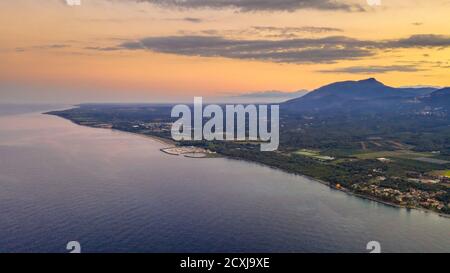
x: 166, y: 141
x: 160, y: 140
x: 349, y: 192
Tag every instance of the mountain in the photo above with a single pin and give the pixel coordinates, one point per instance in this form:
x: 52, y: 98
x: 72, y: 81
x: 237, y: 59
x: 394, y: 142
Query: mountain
x: 441, y: 93
x: 364, y: 95
x: 418, y: 91
x: 439, y: 98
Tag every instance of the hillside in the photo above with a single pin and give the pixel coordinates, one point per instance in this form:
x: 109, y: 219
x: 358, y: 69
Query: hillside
x: 365, y: 95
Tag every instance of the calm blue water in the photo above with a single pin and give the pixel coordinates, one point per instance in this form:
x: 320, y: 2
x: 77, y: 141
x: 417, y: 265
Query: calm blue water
x: 116, y: 192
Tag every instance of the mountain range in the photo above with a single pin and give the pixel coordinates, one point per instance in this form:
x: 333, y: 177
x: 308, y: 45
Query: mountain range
x: 369, y: 95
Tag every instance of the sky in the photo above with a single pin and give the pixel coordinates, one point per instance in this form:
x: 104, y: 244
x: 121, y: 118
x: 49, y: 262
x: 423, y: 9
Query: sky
x: 173, y: 50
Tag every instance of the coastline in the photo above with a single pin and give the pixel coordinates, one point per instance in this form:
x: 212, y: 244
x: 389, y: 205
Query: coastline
x: 349, y: 192
x: 170, y: 142
x: 161, y: 140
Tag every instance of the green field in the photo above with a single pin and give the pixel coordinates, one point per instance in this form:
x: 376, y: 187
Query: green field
x: 313, y: 154
x: 445, y: 173
x: 407, y: 154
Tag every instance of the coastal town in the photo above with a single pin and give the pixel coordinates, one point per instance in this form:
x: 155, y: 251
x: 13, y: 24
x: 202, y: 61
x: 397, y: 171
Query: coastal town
x: 411, y: 198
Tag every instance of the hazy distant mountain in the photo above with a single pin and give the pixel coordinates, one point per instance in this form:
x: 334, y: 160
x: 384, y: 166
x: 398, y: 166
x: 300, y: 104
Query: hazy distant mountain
x: 267, y: 96
x: 444, y: 92
x: 422, y: 86
x: 418, y: 91
x: 439, y: 98
x: 368, y: 94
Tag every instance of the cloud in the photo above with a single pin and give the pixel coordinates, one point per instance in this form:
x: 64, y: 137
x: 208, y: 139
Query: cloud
x: 186, y: 19
x: 322, y: 50
x: 52, y: 46
x: 258, y: 5
x: 99, y: 48
x: 420, y: 40
x: 286, y: 50
x: 264, y: 32
x: 308, y: 29
x: 192, y: 20
x: 42, y: 47
x: 374, y: 69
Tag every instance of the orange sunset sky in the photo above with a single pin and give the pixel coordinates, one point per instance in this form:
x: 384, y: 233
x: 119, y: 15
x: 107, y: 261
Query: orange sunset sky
x: 169, y: 50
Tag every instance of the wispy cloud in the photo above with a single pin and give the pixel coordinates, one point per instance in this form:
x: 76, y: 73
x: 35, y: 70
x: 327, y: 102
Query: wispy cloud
x: 264, y: 32
x: 192, y: 19
x: 374, y: 69
x: 259, y: 5
x: 420, y: 40
x: 289, y: 30
x: 42, y: 47
x: 100, y: 48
